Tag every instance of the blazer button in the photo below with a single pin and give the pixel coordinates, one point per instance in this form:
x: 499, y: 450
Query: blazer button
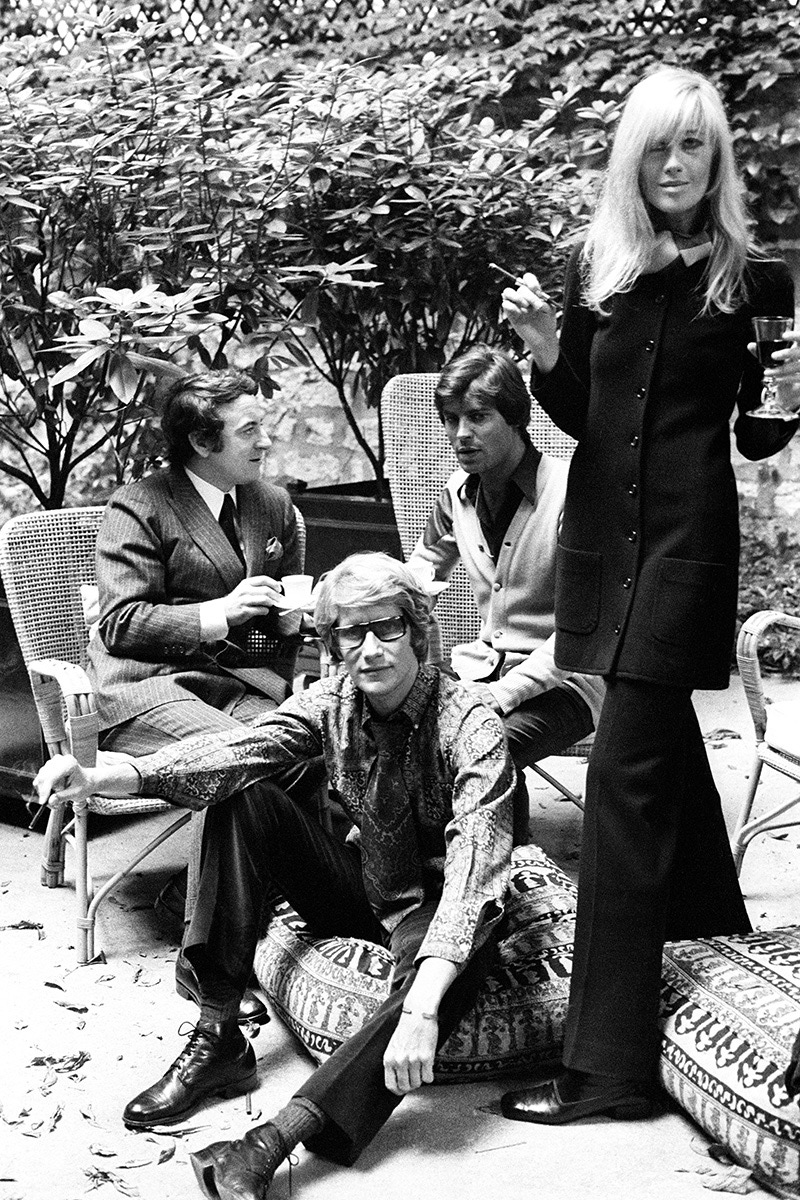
x: 641, y: 393
x: 650, y: 345
x: 633, y: 535
x: 618, y: 629
x: 635, y: 440
x: 633, y: 489
x: 496, y: 587
x: 627, y: 582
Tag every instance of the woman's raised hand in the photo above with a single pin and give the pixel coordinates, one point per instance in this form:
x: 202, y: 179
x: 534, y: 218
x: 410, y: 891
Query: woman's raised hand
x: 527, y: 309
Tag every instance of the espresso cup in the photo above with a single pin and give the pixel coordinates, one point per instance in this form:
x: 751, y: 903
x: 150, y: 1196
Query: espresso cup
x: 297, y: 590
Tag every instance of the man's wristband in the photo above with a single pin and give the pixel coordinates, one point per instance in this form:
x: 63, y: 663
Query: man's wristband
x: 427, y: 1016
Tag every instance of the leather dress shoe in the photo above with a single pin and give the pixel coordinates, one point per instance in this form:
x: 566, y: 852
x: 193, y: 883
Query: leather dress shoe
x: 214, y: 1062
x: 551, y: 1103
x: 241, y: 1170
x: 252, y: 1009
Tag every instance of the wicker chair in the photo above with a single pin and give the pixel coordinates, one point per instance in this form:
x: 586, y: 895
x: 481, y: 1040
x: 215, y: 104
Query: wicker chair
x: 777, y: 732
x: 420, y: 461
x: 47, y: 561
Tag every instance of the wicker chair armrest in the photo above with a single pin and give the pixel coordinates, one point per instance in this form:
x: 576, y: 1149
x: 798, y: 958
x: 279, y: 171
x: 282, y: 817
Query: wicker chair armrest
x: 59, y: 685
x: 750, y: 635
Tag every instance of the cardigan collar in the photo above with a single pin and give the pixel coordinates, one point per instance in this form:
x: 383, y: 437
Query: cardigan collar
x: 667, y: 248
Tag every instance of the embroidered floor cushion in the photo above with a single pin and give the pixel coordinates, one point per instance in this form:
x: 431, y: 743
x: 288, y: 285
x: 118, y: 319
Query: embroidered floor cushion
x: 326, y: 988
x: 730, y: 1014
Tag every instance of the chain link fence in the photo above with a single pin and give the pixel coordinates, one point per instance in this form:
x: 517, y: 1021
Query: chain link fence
x: 276, y: 22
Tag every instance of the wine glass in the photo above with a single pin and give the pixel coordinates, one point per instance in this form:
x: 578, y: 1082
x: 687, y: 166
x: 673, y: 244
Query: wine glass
x: 770, y: 334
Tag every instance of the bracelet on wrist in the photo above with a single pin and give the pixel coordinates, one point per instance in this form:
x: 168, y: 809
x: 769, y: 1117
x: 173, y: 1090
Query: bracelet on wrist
x: 427, y: 1016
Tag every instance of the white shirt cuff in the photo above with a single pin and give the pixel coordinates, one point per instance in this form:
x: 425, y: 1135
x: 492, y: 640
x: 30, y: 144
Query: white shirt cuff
x: 213, y: 622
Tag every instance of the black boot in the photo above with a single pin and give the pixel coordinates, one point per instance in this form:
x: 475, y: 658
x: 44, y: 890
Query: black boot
x: 241, y: 1170
x: 216, y: 1061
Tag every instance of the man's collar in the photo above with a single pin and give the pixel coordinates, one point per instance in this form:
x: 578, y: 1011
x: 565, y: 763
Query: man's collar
x: 211, y: 494
x: 524, y: 477
x: 416, y: 702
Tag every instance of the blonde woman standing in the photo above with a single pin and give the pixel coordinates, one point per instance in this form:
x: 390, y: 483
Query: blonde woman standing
x: 652, y: 360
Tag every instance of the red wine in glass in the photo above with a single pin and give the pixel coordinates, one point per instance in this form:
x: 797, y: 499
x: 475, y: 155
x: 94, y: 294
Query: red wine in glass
x: 770, y: 336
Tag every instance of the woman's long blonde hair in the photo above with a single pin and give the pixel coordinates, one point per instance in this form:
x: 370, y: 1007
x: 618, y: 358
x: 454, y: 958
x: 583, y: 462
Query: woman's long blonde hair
x: 621, y: 236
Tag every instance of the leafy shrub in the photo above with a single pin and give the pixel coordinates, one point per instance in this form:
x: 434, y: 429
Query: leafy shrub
x: 132, y: 192
x: 770, y: 578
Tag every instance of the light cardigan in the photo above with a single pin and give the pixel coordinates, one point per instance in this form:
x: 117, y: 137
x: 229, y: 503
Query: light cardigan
x: 515, y: 598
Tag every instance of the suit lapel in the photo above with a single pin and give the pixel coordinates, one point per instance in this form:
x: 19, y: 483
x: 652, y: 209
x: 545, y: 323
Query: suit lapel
x: 255, y: 528
x: 195, y: 516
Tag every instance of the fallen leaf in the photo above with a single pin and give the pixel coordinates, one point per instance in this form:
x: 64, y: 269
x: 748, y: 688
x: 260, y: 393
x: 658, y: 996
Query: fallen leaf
x: 737, y: 1180
x: 78, y: 1008
x: 37, y: 925
x: 98, y: 1178
x: 65, y: 1063
x: 59, y: 987
x: 722, y: 735
x: 146, y: 978
x: 102, y: 1151
x: 167, y: 1153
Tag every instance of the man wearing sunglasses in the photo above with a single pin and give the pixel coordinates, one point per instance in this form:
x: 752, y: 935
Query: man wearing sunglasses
x: 421, y: 768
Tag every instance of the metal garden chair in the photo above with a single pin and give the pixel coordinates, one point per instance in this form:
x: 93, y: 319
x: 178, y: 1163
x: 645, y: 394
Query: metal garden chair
x: 777, y: 733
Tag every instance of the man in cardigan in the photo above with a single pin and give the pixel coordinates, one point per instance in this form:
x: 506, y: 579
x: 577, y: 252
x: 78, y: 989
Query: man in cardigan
x: 499, y: 514
x: 422, y: 770
x: 191, y: 638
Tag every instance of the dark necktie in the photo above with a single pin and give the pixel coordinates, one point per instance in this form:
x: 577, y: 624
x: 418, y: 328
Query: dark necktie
x: 227, y: 515
x: 391, y: 861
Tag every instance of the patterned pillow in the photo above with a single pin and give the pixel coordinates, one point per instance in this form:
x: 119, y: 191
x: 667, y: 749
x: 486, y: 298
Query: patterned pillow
x: 326, y: 988
x: 730, y: 1013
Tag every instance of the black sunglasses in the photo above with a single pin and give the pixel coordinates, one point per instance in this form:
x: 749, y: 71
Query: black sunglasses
x: 350, y: 637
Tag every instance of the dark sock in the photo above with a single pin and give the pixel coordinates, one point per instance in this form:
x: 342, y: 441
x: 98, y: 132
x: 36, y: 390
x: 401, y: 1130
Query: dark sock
x: 586, y: 1085
x: 298, y: 1121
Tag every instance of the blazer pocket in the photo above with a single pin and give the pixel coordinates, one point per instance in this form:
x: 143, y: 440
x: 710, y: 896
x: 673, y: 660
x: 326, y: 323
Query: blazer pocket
x: 690, y: 602
x: 577, y: 589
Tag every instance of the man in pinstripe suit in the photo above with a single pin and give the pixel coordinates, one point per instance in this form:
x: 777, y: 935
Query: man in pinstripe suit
x: 191, y: 638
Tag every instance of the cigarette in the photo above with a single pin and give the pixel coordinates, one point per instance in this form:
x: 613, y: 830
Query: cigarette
x: 502, y: 271
x: 516, y: 280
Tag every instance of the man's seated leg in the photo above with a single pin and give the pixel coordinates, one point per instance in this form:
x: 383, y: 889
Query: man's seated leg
x: 174, y: 722
x: 257, y: 840
x: 548, y: 724
x: 345, y: 1102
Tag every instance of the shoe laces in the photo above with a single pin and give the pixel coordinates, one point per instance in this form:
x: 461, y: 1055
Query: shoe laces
x: 293, y: 1161
x: 193, y: 1034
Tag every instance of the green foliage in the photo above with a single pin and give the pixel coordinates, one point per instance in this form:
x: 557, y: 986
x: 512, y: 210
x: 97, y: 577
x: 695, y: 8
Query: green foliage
x: 129, y: 181
x: 770, y: 579
x: 595, y: 50
x: 406, y: 181
x: 275, y: 202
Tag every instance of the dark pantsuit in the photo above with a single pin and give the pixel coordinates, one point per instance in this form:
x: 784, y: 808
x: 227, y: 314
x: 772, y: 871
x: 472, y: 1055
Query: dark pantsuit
x: 262, y: 839
x: 655, y: 865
